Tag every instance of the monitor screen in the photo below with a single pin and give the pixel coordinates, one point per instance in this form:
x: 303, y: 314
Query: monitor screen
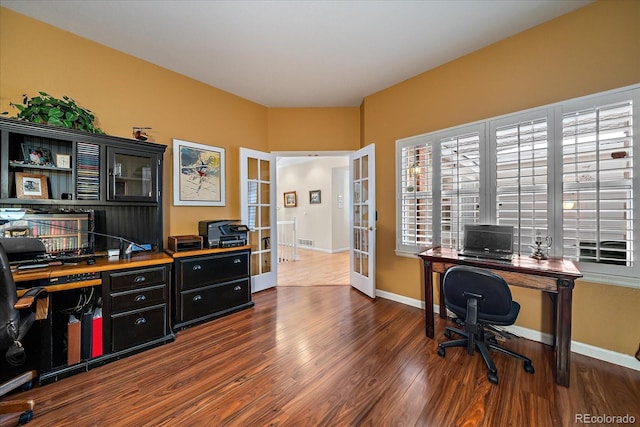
x: 488, y: 238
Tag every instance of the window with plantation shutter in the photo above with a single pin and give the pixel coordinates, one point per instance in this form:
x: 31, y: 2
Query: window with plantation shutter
x: 597, y: 184
x: 564, y: 172
x: 459, y: 187
x: 521, y: 180
x: 415, y: 182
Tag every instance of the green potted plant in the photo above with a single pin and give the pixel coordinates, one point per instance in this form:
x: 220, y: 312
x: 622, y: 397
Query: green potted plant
x: 63, y: 112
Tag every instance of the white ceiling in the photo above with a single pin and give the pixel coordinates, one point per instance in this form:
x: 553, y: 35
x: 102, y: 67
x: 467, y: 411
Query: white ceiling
x: 296, y: 53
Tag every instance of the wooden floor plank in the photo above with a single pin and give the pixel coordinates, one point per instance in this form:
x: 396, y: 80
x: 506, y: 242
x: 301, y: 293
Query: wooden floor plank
x: 327, y: 356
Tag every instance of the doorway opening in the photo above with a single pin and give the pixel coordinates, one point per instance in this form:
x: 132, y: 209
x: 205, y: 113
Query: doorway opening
x: 313, y: 218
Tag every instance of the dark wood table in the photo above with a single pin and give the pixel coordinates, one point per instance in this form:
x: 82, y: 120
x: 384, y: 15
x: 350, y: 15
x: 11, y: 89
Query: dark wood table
x: 555, y: 277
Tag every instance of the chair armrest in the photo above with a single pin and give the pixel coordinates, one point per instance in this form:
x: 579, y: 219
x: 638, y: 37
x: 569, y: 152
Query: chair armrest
x: 27, y: 300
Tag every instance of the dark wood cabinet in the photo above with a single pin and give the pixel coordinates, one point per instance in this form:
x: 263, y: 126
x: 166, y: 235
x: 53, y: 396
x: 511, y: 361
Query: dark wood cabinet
x: 138, y: 302
x: 210, y: 283
x: 120, y: 179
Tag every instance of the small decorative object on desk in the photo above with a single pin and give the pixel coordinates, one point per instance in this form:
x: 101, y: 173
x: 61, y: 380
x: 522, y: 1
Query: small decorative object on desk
x: 539, y: 252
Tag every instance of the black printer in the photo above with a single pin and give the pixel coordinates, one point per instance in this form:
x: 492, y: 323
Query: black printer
x: 222, y: 233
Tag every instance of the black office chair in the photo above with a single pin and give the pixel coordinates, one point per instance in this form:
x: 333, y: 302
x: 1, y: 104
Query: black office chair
x: 480, y: 298
x: 16, y: 317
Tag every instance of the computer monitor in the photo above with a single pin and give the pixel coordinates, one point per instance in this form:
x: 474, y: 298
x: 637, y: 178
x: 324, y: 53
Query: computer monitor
x: 488, y: 238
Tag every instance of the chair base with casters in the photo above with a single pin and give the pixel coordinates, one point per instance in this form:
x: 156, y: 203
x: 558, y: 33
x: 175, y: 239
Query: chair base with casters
x: 25, y: 381
x: 479, y: 298
x: 483, y: 344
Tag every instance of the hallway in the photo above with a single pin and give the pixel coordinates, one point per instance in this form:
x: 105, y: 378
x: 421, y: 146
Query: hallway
x: 315, y: 268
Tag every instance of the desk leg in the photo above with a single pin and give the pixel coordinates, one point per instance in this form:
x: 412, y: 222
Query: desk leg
x: 563, y: 331
x: 428, y: 299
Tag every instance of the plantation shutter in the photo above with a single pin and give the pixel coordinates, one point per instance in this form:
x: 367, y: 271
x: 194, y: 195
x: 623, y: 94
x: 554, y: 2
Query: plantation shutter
x: 521, y: 180
x: 460, y: 187
x: 597, y: 184
x: 416, y: 196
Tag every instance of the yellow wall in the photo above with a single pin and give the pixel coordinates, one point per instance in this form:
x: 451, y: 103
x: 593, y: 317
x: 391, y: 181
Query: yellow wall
x: 593, y: 49
x: 317, y: 129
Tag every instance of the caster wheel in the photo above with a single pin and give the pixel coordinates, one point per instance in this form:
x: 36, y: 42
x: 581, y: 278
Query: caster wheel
x: 493, y: 378
x: 447, y: 333
x: 25, y: 417
x: 441, y: 352
x: 528, y: 367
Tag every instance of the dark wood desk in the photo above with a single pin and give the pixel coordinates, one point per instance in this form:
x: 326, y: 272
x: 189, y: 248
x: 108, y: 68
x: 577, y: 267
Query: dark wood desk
x: 135, y: 295
x: 554, y: 276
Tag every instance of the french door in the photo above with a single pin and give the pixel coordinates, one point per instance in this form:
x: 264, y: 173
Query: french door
x: 362, y: 224
x: 257, y: 209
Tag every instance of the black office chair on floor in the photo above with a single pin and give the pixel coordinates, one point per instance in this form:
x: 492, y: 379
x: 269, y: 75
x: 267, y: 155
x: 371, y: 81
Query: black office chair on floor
x: 16, y: 317
x: 479, y: 298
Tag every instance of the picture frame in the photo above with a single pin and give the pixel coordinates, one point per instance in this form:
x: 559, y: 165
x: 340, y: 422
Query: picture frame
x: 198, y: 174
x: 36, y: 155
x: 315, y: 197
x: 290, y: 199
x: 63, y: 161
x: 30, y: 186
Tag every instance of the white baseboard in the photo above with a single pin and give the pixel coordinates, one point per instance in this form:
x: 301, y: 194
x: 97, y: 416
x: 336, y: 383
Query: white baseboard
x: 577, y: 347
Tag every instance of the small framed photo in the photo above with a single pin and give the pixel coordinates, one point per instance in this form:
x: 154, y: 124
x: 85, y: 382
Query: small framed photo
x: 63, y: 161
x: 30, y: 186
x: 314, y: 197
x: 290, y: 200
x: 36, y: 155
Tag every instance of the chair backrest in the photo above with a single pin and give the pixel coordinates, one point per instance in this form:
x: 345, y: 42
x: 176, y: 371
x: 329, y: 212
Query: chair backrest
x: 493, y: 288
x: 8, y: 298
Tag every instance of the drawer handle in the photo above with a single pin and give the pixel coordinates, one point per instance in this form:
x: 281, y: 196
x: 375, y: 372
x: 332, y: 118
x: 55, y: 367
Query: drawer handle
x: 237, y: 288
x: 140, y: 279
x: 237, y: 261
x: 197, y: 267
x: 140, y: 321
x: 140, y: 298
x: 197, y: 297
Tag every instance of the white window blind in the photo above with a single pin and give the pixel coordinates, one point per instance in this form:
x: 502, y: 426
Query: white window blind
x: 597, y: 146
x: 460, y: 187
x: 416, y: 196
x: 521, y: 180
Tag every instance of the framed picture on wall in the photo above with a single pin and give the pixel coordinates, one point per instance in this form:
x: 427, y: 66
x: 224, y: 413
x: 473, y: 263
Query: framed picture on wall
x: 290, y: 200
x: 198, y: 174
x: 314, y: 197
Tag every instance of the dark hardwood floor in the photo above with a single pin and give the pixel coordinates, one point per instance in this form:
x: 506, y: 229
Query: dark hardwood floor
x: 328, y: 356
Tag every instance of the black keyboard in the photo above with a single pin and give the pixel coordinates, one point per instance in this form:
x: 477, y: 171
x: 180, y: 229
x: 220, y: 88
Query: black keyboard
x: 486, y: 255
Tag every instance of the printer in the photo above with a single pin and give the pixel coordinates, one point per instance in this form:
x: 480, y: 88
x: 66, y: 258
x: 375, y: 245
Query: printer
x: 222, y: 233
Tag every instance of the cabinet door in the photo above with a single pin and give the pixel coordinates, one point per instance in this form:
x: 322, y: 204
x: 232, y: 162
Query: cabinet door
x: 133, y: 175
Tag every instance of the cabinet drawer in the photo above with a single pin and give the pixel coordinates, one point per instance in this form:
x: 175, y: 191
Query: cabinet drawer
x: 202, y: 302
x: 138, y: 327
x: 138, y: 278
x: 138, y: 298
x: 196, y: 272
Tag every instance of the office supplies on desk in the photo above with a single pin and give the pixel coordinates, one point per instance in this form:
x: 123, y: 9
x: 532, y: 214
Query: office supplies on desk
x: 488, y: 241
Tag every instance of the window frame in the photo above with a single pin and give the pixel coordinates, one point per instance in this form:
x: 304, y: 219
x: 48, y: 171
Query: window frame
x: 597, y: 272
